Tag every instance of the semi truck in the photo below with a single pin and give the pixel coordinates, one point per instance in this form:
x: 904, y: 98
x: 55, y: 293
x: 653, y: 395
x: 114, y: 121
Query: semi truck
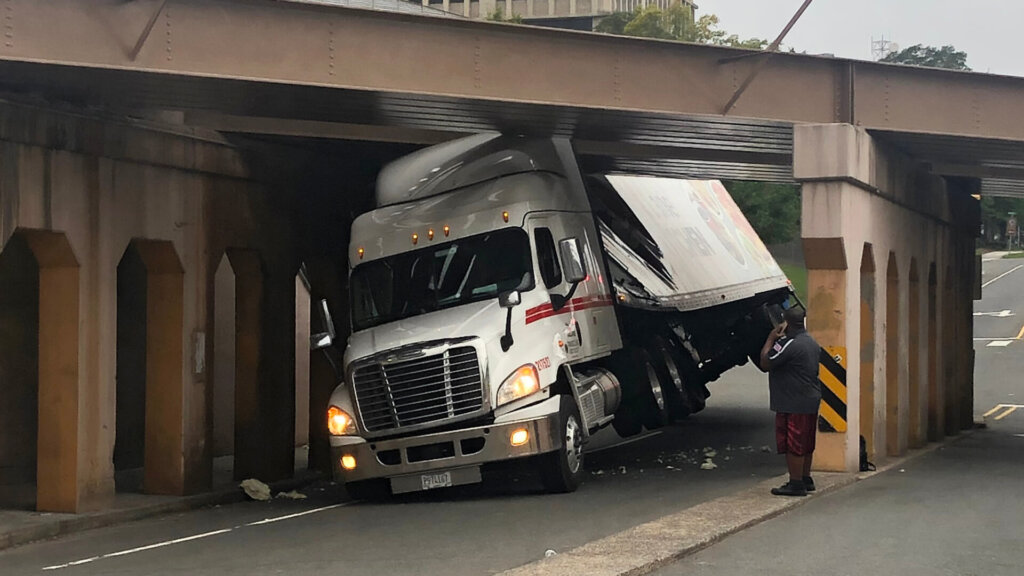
x: 504, y: 305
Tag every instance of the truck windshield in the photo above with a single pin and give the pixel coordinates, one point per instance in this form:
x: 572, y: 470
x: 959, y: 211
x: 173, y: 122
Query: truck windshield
x: 440, y: 276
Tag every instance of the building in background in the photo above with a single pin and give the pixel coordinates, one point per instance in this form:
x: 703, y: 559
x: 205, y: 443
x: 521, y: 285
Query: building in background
x: 567, y: 14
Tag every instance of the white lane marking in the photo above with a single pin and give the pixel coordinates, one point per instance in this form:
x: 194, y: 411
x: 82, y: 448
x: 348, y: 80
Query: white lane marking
x: 190, y: 538
x: 627, y: 441
x: 1000, y: 314
x: 1002, y: 275
x: 990, y: 339
x: 999, y: 343
x: 296, y: 515
x: 1009, y: 410
x: 139, y: 549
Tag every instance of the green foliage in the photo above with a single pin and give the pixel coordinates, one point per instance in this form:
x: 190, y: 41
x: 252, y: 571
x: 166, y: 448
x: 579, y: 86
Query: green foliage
x: 994, y: 214
x: 798, y: 276
x: 930, y: 57
x: 772, y: 209
x: 499, y: 16
x: 614, y: 23
x: 674, y: 23
x: 648, y: 23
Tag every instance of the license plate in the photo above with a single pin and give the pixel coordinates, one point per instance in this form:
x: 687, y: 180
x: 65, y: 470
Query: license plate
x: 439, y: 480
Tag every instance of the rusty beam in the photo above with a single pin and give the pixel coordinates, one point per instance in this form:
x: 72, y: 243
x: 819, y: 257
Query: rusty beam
x: 319, y: 129
x: 283, y: 43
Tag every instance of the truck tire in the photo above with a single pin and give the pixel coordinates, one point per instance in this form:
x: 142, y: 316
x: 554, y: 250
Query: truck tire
x: 643, y: 403
x: 562, y: 470
x: 653, y: 410
x: 695, y: 392
x: 672, y: 388
x: 626, y: 423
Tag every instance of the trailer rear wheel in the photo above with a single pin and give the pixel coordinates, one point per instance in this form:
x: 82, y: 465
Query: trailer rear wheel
x: 562, y: 470
x: 643, y: 403
x: 673, y: 388
x: 653, y: 410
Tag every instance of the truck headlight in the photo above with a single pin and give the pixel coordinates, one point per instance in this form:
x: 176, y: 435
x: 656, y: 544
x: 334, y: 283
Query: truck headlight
x: 520, y: 384
x: 339, y: 422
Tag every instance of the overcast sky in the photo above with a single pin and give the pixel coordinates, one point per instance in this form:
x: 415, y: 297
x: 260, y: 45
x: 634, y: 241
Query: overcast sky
x: 988, y: 30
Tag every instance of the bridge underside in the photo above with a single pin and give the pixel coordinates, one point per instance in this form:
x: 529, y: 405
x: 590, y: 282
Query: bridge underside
x: 161, y: 205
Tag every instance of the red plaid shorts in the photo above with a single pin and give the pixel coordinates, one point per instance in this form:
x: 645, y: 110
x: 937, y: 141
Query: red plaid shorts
x: 794, y: 433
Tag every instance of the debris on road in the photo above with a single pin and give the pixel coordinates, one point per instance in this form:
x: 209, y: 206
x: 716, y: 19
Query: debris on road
x: 549, y: 553
x: 255, y: 489
x: 293, y: 495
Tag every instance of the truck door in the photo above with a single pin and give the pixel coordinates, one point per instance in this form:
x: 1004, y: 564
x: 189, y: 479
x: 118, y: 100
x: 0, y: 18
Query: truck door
x: 586, y: 324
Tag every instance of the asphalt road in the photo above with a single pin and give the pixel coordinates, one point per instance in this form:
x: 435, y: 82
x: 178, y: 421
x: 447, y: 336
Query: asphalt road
x: 956, y: 510
x: 504, y: 523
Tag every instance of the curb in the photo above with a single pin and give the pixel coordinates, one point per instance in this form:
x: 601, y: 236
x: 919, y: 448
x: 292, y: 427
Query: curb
x: 89, y: 521
x: 653, y: 545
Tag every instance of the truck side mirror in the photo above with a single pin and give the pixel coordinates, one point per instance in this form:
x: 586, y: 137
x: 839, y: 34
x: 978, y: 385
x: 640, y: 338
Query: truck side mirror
x: 323, y: 339
x: 574, y: 269
x: 509, y: 299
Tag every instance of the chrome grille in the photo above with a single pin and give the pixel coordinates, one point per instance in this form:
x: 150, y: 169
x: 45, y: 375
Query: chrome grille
x: 418, y: 391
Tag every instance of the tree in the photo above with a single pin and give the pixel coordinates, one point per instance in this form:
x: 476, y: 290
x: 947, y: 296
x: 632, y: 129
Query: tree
x: 499, y: 16
x: 930, y: 57
x: 994, y: 214
x: 674, y: 23
x: 772, y: 209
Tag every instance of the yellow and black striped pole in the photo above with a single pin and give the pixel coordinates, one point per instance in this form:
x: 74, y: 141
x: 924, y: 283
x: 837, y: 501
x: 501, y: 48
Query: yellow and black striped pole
x: 832, y: 377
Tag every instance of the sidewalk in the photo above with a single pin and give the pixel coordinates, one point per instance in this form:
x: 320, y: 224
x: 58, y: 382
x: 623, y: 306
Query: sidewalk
x: 22, y: 526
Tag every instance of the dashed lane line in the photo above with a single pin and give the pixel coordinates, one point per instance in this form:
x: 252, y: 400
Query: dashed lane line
x: 190, y: 538
x: 999, y: 343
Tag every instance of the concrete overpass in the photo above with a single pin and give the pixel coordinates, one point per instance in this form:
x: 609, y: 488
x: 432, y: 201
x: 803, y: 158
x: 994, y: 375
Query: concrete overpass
x: 167, y: 166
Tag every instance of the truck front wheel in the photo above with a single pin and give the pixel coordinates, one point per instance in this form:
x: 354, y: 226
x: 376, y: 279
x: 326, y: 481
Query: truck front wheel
x: 562, y: 470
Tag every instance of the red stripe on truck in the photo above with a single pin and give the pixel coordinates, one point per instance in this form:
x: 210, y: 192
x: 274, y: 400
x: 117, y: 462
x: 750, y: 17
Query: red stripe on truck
x: 575, y: 305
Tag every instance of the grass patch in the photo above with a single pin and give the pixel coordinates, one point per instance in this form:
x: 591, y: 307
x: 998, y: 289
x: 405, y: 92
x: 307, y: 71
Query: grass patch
x: 1014, y: 255
x: 798, y: 276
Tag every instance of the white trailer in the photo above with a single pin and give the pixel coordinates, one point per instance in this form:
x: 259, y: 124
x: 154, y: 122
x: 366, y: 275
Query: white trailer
x: 505, y: 306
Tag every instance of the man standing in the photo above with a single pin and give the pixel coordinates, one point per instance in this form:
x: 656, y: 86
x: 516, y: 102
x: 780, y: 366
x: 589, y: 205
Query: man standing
x: 790, y: 356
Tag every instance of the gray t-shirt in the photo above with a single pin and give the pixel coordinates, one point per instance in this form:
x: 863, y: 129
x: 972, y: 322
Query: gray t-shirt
x: 793, y: 375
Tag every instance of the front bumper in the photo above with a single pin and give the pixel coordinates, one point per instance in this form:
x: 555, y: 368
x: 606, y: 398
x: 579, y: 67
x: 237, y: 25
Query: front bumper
x: 450, y: 450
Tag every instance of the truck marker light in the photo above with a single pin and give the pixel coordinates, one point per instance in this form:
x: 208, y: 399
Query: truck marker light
x: 430, y: 234
x: 361, y: 252
x: 446, y: 229
x: 348, y: 462
x: 504, y: 216
x: 519, y: 437
x: 415, y: 238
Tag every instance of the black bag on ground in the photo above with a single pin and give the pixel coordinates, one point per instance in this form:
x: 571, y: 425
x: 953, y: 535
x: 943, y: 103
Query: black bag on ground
x: 865, y: 466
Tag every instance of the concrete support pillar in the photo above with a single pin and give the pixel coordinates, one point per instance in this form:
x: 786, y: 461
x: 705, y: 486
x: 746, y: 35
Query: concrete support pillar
x: 865, y: 204
x: 264, y: 388
x: 248, y: 336
x: 164, y: 462
x: 57, y: 482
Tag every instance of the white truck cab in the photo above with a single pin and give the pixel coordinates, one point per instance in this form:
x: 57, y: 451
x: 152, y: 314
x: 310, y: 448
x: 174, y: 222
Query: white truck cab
x: 487, y: 326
